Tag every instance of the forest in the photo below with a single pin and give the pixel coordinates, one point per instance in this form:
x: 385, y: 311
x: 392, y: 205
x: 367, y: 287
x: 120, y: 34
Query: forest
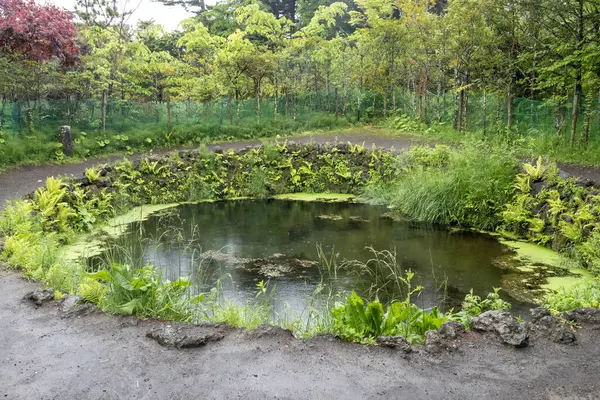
x: 525, y: 66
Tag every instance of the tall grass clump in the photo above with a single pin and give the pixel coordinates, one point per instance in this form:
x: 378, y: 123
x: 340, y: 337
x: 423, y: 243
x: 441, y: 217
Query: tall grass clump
x: 464, y: 187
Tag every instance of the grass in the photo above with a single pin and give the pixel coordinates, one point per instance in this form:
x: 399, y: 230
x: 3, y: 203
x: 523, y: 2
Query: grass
x: 467, y: 187
x: 530, y: 143
x: 42, y: 146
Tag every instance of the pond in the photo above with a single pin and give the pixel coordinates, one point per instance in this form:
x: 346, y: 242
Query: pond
x: 243, y: 242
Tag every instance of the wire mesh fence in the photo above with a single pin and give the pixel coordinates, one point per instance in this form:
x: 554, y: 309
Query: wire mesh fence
x: 481, y: 113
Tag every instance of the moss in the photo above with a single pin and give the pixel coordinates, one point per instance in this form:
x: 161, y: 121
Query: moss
x: 579, y: 276
x: 321, y: 197
x: 117, y: 225
x: 537, y: 271
x: 529, y: 255
x: 93, y: 243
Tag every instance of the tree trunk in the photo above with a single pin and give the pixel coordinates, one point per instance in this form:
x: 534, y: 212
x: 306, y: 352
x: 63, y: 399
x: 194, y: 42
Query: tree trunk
x: 65, y: 138
x: 287, y: 105
x: 465, y: 122
x: 483, y: 113
x: 2, y: 112
x: 461, y: 107
x: 579, y: 74
x: 559, y: 123
x: 229, y: 108
x: 385, y: 104
x: 258, y: 101
x: 336, y: 104
x: 103, y: 111
x: 575, y: 113
x: 275, y: 105
x: 509, y: 104
x: 588, y: 117
x: 30, y: 129
x: 168, y: 96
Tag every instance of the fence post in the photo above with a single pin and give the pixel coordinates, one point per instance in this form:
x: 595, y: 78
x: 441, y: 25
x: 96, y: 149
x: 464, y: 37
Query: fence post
x: 65, y: 137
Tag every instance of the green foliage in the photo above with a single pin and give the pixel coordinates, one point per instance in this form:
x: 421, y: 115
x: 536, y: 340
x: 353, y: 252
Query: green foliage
x: 560, y: 212
x: 353, y: 321
x: 92, y: 291
x: 143, y: 292
x: 580, y: 296
x: 467, y: 187
x: 249, y: 316
x: 474, y: 305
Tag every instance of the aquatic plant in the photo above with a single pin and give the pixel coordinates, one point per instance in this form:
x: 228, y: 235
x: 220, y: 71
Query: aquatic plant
x: 143, y: 292
x: 356, y: 321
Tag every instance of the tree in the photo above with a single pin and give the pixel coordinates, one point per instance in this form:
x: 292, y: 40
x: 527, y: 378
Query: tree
x: 37, y: 32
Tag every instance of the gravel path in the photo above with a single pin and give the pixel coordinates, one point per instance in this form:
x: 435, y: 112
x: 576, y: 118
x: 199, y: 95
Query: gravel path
x: 46, y: 356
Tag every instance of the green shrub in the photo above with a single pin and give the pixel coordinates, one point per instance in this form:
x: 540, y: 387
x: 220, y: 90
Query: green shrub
x: 143, y: 292
x: 580, y: 296
x: 466, y: 187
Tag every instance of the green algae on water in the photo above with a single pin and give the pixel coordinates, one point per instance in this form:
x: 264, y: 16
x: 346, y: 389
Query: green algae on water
x: 93, y: 243
x: 542, y: 270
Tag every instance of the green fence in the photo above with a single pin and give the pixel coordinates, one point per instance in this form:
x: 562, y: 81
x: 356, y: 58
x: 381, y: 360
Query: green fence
x: 530, y: 117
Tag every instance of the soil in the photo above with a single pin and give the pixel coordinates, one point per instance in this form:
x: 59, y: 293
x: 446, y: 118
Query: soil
x: 587, y: 172
x: 45, y: 355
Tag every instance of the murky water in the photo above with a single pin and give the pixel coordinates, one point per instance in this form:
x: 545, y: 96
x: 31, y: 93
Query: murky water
x: 248, y: 241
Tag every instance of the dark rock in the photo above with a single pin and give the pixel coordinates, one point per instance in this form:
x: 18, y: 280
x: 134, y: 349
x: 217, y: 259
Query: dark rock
x: 82, y: 310
x: 328, y: 337
x: 544, y: 324
x: 68, y: 302
x: 394, y: 342
x: 40, y: 296
x: 582, y: 315
x: 435, y: 342
x: 270, y: 331
x: 1, y: 245
x: 103, y: 172
x: 84, y: 181
x: 537, y: 187
x: 563, y: 335
x: 585, y: 183
x: 217, y: 149
x: 451, y: 329
x: 504, y: 325
x: 538, y: 313
x: 184, y: 336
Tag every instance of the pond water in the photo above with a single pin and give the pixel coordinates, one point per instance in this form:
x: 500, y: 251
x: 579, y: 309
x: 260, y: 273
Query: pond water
x: 247, y: 241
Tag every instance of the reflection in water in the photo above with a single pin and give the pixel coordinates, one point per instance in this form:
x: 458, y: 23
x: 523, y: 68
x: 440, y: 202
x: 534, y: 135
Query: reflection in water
x: 244, y: 242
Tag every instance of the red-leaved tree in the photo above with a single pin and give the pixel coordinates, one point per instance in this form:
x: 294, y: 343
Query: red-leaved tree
x: 37, y: 32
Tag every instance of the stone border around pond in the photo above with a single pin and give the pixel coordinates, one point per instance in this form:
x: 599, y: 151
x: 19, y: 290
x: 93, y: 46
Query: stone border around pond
x: 494, y: 327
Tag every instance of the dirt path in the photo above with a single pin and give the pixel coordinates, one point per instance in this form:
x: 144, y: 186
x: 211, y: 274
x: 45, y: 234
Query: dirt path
x: 45, y: 356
